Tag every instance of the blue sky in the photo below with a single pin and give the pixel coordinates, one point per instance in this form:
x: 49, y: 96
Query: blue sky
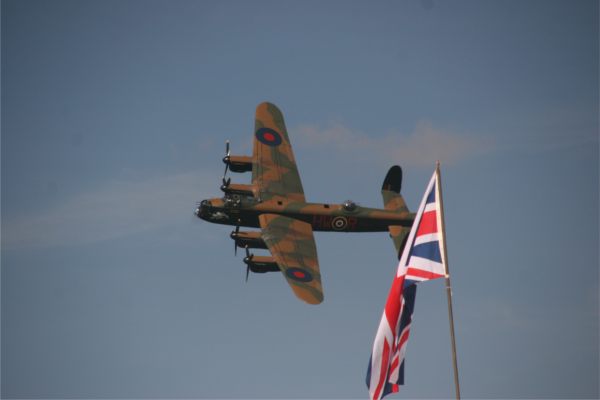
x: 114, y: 118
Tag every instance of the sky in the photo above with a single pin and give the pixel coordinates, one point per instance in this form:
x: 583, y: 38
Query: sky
x: 114, y: 119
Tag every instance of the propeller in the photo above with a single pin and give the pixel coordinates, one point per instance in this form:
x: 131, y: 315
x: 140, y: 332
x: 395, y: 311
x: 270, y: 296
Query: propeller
x: 247, y: 260
x: 234, y: 237
x: 226, y: 181
x: 226, y: 158
x: 225, y: 184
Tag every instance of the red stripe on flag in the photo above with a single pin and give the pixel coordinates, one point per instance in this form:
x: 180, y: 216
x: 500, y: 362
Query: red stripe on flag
x: 393, y: 303
x: 404, y: 337
x: 394, y: 365
x: 422, y: 274
x: 428, y: 223
x: 383, y: 371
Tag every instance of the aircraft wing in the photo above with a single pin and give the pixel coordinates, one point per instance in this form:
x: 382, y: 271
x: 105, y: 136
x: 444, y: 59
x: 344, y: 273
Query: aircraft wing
x: 274, y: 171
x: 292, y: 244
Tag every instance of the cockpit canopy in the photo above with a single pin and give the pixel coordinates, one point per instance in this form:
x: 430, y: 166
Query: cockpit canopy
x: 349, y: 205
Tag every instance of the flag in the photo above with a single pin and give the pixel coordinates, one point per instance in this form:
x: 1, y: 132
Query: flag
x: 422, y: 259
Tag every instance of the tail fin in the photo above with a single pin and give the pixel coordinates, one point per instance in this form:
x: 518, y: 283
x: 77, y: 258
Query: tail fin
x: 393, y: 201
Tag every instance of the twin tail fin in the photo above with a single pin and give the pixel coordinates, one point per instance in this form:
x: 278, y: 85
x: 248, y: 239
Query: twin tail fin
x: 393, y: 201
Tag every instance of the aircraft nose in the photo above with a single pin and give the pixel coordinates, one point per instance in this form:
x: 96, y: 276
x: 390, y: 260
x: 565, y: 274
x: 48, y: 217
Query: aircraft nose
x: 203, y: 209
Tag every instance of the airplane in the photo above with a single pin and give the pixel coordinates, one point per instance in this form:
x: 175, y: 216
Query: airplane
x: 275, y: 203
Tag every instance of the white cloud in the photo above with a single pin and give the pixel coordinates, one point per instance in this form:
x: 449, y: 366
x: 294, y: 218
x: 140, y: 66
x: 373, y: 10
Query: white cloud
x: 115, y: 209
x: 425, y: 145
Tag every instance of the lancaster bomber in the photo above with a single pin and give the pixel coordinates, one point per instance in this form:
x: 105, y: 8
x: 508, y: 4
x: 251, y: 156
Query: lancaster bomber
x: 275, y: 203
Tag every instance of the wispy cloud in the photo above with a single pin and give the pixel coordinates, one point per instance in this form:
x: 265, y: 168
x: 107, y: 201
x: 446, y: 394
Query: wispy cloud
x: 127, y: 206
x: 114, y: 209
x: 423, y: 146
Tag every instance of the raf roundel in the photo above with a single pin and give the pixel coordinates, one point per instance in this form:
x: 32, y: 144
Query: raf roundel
x: 268, y: 136
x: 339, y: 223
x: 299, y: 274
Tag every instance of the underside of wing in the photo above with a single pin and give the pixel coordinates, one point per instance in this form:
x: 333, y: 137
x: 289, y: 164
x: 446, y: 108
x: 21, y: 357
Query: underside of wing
x: 292, y: 244
x: 274, y: 171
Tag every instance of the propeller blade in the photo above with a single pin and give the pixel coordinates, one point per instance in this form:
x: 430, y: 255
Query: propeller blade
x: 226, y: 159
x: 225, y: 184
x: 247, y: 261
x: 234, y: 234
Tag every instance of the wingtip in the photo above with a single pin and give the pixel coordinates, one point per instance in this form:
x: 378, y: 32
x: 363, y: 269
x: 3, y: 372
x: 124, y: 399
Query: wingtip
x: 314, y: 301
x: 313, y: 296
x: 267, y: 105
x: 309, y: 295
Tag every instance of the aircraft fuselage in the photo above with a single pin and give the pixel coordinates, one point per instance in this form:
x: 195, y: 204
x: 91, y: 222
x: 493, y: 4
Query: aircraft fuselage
x: 346, y: 217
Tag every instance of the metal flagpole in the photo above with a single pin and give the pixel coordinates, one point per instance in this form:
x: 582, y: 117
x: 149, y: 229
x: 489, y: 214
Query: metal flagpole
x: 448, y: 286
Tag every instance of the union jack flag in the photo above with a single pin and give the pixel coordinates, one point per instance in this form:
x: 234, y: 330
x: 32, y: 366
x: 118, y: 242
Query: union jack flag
x: 422, y: 259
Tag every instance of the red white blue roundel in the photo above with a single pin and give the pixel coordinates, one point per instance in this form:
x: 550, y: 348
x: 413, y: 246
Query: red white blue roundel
x: 268, y: 136
x: 298, y: 274
x: 339, y: 223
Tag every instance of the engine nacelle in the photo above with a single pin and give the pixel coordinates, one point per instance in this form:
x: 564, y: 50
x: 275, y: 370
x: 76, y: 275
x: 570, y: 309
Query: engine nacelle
x: 252, y: 240
x: 238, y: 163
x: 237, y: 188
x: 261, y: 264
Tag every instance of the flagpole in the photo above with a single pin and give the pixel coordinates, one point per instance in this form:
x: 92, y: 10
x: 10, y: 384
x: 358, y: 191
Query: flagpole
x: 448, y: 286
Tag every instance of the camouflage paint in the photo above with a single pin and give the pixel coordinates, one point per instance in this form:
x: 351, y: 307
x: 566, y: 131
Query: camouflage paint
x: 275, y: 203
x: 292, y: 244
x: 320, y: 216
x: 274, y: 171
